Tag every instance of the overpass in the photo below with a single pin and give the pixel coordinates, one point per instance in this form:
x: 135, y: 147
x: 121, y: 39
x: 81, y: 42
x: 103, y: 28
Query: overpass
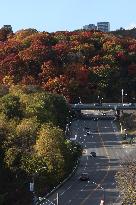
x: 103, y: 106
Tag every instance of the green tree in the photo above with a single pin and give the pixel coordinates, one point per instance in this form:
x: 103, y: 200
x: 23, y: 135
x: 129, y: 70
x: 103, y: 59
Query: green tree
x: 11, y: 106
x: 26, y: 132
x: 13, y: 158
x: 50, y: 145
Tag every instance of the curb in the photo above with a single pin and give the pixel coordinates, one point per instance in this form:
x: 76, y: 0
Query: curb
x: 59, y: 185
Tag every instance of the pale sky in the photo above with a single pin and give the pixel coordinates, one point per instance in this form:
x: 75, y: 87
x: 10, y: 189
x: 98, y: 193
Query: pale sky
x: 60, y: 15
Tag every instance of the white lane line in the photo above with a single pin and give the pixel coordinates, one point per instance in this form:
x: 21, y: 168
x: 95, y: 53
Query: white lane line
x: 84, y: 168
x: 107, y: 171
x: 89, y: 182
x: 66, y: 190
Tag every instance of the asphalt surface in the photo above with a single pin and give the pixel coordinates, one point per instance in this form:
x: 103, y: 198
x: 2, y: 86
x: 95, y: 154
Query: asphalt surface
x: 104, y: 140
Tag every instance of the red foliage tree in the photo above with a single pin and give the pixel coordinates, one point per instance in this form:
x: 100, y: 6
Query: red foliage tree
x: 82, y: 76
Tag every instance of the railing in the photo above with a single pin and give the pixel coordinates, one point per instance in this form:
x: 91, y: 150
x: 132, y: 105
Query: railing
x: 106, y: 106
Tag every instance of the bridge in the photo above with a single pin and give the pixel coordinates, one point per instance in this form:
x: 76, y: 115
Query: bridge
x: 103, y: 106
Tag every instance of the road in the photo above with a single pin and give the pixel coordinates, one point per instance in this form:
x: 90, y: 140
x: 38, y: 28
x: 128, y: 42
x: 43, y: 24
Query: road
x: 104, y: 140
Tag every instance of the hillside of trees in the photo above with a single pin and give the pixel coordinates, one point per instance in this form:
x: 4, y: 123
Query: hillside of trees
x: 79, y: 63
x: 33, y: 143
x: 129, y: 33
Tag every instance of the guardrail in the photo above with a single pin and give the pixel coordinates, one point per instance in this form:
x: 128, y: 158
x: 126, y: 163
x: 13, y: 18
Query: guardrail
x: 104, y: 106
x: 44, y: 200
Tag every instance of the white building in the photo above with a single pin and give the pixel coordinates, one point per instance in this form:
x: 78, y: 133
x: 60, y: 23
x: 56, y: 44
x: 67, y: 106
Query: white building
x: 103, y: 26
x: 90, y: 27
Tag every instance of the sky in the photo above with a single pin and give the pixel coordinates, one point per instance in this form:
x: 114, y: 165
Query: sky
x: 61, y: 15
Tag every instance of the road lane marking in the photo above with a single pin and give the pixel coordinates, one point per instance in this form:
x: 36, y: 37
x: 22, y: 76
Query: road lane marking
x: 66, y: 190
x: 100, y: 184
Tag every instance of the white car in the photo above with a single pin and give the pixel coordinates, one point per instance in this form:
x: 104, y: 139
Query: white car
x: 127, y: 104
x: 84, y: 151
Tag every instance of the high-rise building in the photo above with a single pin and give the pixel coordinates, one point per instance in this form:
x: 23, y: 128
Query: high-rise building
x: 103, y: 26
x: 90, y: 27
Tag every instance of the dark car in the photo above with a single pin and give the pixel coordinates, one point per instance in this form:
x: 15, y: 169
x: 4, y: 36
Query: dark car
x: 93, y: 154
x: 97, y: 104
x: 88, y: 132
x: 86, y: 128
x: 84, y: 177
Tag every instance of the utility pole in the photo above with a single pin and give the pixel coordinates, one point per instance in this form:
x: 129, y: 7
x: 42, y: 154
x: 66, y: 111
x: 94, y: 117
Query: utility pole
x: 122, y: 93
x: 57, y: 198
x: 121, y: 130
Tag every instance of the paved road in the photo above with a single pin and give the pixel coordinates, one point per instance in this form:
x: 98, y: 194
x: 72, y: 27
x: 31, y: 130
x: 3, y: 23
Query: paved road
x: 104, y: 141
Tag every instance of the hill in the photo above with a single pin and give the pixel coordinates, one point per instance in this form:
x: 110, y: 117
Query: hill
x: 129, y: 33
x: 79, y: 63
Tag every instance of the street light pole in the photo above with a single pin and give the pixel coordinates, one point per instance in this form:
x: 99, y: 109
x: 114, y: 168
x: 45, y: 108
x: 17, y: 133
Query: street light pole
x: 101, y: 100
x: 80, y: 100
x: 122, y: 94
x: 57, y: 198
x: 33, y: 184
x: 98, y: 99
x: 104, y: 195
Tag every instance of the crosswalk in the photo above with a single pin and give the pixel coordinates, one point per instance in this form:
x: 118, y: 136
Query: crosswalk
x: 44, y: 201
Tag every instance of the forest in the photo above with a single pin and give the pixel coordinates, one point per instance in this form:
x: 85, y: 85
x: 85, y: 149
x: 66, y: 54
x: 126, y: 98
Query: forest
x: 33, y: 145
x: 76, y: 63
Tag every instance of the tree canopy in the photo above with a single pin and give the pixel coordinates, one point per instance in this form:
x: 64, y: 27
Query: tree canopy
x: 63, y: 62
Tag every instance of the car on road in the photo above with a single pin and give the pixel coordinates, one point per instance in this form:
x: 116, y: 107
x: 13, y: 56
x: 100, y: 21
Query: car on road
x: 95, y: 118
x: 97, y: 104
x: 88, y: 132
x: 104, y: 114
x: 86, y: 128
x: 127, y: 104
x: 93, y: 154
x: 84, y: 177
x: 84, y: 151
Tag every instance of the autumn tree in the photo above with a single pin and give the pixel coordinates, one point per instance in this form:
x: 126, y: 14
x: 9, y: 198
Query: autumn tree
x: 126, y: 179
x: 50, y: 145
x: 5, y: 31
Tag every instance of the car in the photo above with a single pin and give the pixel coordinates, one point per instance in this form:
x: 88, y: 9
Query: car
x: 84, y: 151
x: 104, y: 114
x: 93, y: 154
x: 88, y: 132
x: 84, y: 177
x: 86, y: 128
x: 95, y: 118
x: 127, y: 104
x: 96, y: 104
